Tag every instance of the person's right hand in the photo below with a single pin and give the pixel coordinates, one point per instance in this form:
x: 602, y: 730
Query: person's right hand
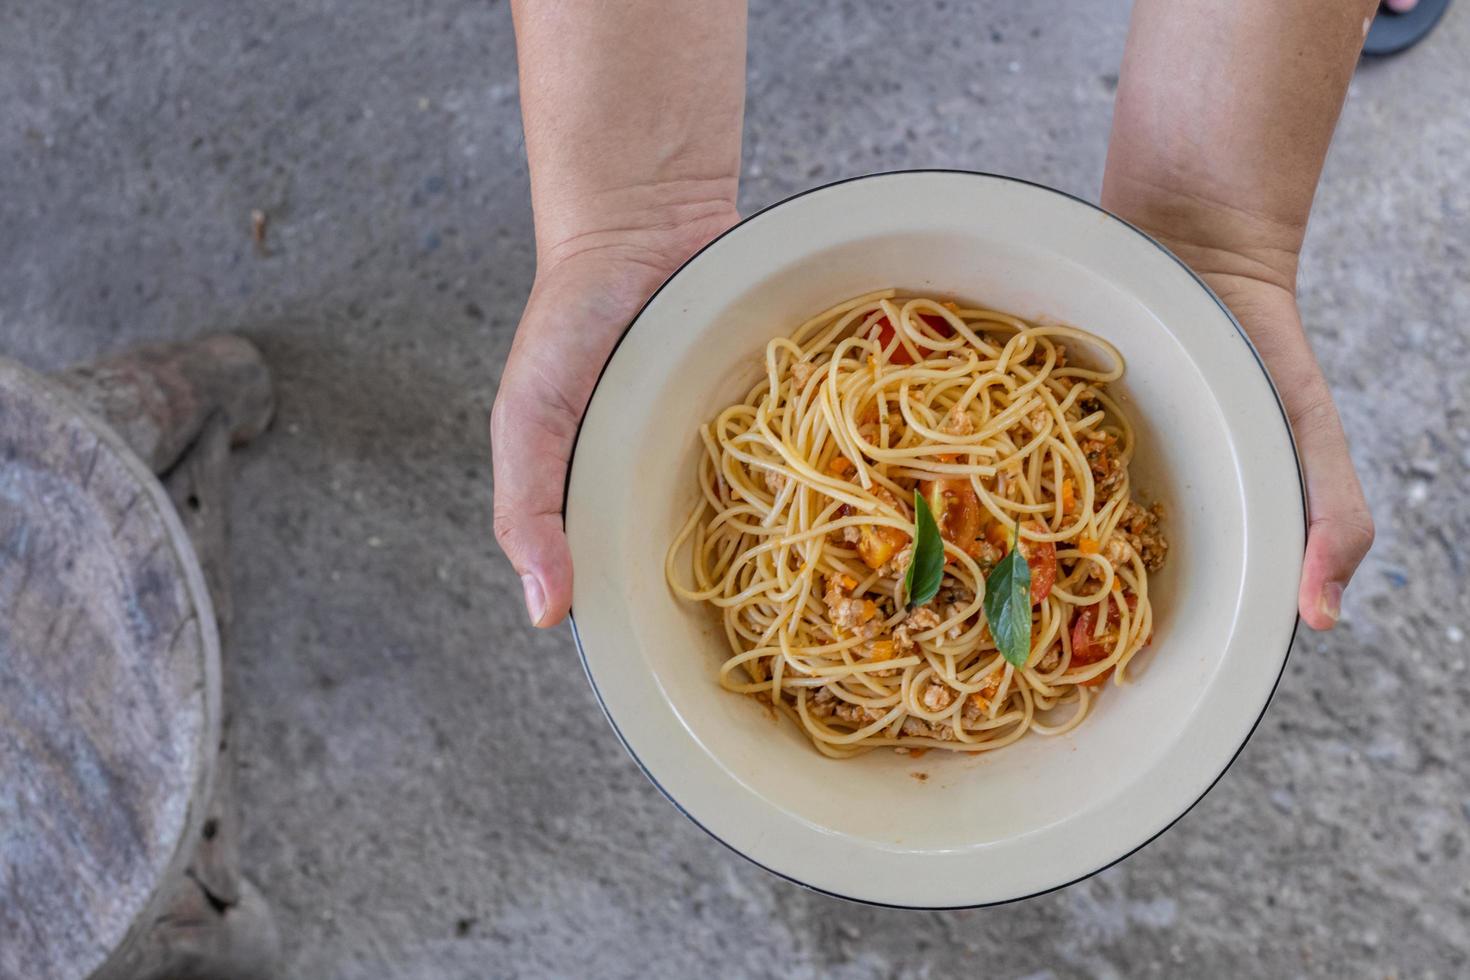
x: 582, y: 300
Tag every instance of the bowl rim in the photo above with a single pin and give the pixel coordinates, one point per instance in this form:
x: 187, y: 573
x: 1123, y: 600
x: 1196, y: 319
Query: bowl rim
x: 955, y: 171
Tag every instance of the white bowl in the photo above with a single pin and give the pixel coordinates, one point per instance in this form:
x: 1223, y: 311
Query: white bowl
x: 1214, y: 446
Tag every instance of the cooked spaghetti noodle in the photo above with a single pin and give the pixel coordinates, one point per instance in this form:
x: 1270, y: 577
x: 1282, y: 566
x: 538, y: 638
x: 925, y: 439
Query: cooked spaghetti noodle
x: 805, y: 525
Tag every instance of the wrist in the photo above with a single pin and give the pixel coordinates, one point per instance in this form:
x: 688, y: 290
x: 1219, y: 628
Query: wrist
x: 1218, y: 239
x: 656, y: 226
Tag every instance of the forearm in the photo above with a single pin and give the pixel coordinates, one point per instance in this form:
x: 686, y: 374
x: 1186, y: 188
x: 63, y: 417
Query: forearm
x: 1225, y: 111
x: 1224, y: 114
x: 632, y: 112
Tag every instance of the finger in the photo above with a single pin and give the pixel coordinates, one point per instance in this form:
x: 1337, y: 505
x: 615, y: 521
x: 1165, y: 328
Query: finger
x: 560, y: 347
x: 573, y: 318
x: 1401, y: 6
x: 1340, y: 531
x: 531, y: 437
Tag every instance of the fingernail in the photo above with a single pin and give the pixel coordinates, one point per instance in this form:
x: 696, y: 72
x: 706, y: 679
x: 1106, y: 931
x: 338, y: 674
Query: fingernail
x: 535, y: 598
x: 1331, y: 602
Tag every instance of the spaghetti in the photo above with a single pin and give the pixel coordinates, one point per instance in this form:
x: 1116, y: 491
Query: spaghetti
x: 804, y: 527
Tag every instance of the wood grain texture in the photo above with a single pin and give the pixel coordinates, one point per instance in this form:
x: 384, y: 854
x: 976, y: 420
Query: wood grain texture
x: 109, y: 687
x: 199, y: 487
x: 158, y: 397
x: 213, y: 925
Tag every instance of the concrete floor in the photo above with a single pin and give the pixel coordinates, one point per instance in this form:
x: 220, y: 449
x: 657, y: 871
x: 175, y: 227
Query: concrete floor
x: 432, y: 791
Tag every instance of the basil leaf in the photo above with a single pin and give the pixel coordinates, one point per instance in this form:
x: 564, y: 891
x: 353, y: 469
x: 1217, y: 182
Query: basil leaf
x: 1008, y: 604
x: 926, y: 566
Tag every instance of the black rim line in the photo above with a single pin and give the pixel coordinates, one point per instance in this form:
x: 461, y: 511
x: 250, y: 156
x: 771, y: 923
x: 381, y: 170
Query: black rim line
x: 1291, y: 438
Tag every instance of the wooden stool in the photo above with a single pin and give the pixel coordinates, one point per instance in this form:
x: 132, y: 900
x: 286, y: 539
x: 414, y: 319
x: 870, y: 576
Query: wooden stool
x: 118, y: 828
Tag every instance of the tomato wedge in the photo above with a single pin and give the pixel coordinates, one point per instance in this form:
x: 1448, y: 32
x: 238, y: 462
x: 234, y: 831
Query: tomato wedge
x: 878, y: 543
x: 1042, y: 557
x: 956, y: 511
x: 901, y: 353
x: 1089, y: 650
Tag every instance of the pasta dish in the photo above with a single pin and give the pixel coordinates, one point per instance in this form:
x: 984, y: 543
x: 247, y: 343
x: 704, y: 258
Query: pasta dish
x: 919, y: 530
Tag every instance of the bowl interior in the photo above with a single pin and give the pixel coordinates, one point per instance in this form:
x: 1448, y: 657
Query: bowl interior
x: 1080, y: 800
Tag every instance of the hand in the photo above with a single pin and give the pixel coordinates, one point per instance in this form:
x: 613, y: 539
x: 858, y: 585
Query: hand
x: 579, y: 306
x: 1218, y: 141
x: 1340, y: 526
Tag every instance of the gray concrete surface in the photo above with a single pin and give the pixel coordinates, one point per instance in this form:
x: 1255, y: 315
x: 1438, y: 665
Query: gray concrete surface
x: 431, y: 789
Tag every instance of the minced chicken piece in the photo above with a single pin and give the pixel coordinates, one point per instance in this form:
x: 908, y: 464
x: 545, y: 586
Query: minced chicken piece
x: 921, y: 619
x: 950, y: 612
x: 1107, y: 472
x: 958, y: 423
x: 883, y: 494
x: 1141, y: 529
x: 855, y: 714
x: 845, y: 612
x: 1118, y: 551
x: 801, y: 373
x: 899, y: 563
x: 824, y: 704
x: 954, y: 599
x: 919, y: 728
x: 1050, y: 659
x: 937, y: 697
x: 979, y: 702
x: 1038, y: 356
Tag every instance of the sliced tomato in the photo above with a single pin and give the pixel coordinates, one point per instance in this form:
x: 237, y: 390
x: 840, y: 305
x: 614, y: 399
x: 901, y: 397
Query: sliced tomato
x: 1041, y: 556
x: 901, y: 353
x: 999, y: 535
x: 956, y: 511
x: 878, y: 543
x: 1087, y: 649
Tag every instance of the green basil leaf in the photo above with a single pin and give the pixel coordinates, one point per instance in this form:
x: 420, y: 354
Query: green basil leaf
x: 926, y: 566
x: 1008, y: 604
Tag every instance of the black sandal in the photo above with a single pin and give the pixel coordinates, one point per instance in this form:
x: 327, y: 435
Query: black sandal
x: 1393, y: 32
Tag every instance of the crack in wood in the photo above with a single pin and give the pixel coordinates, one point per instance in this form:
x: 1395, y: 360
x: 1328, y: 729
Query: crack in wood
x: 127, y: 510
x: 92, y: 463
x: 178, y: 906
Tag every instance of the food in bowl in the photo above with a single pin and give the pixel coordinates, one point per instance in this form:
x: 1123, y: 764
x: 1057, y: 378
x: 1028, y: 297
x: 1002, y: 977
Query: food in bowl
x: 1212, y: 443
x: 920, y: 531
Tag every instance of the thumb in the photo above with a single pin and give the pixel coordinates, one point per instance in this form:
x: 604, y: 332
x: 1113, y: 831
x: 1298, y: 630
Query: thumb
x: 1341, y: 528
x: 531, y: 437
x: 573, y: 318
